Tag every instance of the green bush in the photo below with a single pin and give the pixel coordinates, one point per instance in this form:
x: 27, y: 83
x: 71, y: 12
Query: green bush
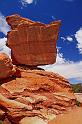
x: 1, y: 122
x: 78, y: 103
x: 77, y: 88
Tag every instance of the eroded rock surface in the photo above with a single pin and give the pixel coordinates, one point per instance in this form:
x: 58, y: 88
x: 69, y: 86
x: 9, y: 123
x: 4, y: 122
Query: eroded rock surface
x: 6, y: 66
x: 38, y: 95
x: 32, y: 43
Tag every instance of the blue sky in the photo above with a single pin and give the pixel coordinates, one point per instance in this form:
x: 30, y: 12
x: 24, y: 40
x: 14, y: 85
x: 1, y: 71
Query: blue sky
x: 69, y: 58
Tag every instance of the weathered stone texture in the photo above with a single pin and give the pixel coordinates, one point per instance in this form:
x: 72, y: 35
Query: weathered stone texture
x: 6, y: 67
x: 32, y: 43
x: 32, y: 96
x: 36, y: 95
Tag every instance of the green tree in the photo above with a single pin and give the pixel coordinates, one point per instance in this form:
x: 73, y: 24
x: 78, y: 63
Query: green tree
x: 77, y: 88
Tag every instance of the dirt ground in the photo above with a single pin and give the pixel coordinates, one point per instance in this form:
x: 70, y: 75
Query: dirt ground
x: 72, y: 117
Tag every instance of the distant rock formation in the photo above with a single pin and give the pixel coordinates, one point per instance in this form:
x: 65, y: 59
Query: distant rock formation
x: 37, y: 95
x: 32, y: 43
x: 6, y: 66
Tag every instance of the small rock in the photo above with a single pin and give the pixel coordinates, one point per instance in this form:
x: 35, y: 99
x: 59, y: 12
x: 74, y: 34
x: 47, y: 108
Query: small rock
x: 6, y: 66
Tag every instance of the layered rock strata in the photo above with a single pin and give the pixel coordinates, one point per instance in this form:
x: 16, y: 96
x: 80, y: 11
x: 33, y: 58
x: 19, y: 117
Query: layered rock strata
x: 38, y: 95
x: 6, y: 66
x: 32, y: 96
x: 32, y: 43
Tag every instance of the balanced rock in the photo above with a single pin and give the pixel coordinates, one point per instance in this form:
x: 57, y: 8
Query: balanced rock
x: 36, y: 97
x: 32, y: 43
x: 6, y: 66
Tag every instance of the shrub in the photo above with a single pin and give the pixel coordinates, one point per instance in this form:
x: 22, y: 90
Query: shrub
x: 78, y: 103
x: 1, y: 122
x: 77, y: 88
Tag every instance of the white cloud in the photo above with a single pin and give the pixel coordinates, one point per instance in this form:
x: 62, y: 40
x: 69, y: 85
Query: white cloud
x: 63, y: 38
x: 4, y: 28
x: 3, y: 47
x: 78, y: 37
x: 69, y: 38
x: 25, y: 2
x: 68, y: 69
x: 3, y: 42
x: 60, y: 59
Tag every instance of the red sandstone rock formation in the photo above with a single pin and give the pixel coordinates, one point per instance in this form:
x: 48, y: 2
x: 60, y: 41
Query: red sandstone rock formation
x: 6, y: 67
x: 32, y: 43
x: 37, y: 96
x: 32, y: 96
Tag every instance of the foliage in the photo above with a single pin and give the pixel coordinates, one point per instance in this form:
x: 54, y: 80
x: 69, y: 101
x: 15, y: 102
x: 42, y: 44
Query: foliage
x: 1, y: 122
x: 78, y: 103
x: 77, y: 88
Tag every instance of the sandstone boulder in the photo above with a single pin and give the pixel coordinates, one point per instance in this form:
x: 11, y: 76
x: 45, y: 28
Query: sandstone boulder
x: 36, y: 95
x: 6, y: 67
x: 32, y: 43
